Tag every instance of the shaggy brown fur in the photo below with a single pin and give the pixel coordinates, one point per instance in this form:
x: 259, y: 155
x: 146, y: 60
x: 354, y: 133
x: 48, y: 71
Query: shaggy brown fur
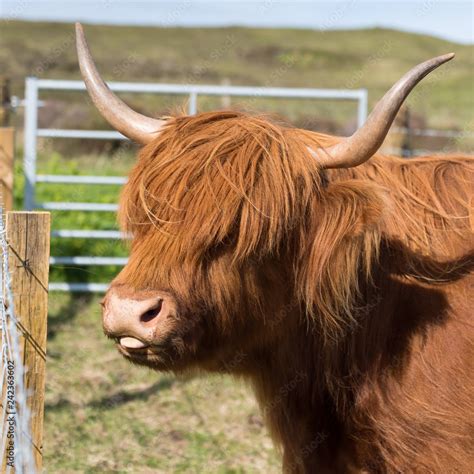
x: 346, y: 293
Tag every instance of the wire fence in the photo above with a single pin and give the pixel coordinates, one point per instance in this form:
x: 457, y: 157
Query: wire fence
x: 15, y: 438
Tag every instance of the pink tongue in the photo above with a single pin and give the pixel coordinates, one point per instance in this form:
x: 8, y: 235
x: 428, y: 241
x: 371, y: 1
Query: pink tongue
x: 131, y: 343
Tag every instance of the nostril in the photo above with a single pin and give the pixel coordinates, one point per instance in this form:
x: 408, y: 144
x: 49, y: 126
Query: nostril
x: 152, y: 313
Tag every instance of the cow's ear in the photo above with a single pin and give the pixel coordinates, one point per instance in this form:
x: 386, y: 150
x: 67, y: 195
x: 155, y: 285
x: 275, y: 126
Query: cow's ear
x: 339, y: 247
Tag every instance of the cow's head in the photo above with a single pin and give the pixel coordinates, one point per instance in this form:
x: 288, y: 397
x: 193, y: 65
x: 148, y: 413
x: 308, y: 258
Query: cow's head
x: 236, y: 230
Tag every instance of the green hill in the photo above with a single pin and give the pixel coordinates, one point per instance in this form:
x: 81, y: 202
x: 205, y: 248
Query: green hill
x: 371, y: 58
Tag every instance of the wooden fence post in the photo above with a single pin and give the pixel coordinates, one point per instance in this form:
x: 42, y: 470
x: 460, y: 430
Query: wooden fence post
x: 28, y: 236
x: 406, y: 147
x: 7, y: 150
x: 5, y: 101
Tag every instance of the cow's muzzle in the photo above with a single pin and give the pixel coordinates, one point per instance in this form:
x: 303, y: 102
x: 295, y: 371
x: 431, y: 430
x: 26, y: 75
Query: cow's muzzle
x: 134, y: 320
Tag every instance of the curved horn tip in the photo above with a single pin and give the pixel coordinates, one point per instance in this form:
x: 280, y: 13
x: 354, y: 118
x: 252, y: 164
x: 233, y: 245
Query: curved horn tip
x: 448, y: 56
x: 81, y: 42
x: 79, y: 29
x: 358, y: 148
x: 444, y: 58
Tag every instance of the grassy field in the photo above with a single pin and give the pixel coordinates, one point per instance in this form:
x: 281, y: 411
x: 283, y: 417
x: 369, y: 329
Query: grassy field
x: 372, y: 58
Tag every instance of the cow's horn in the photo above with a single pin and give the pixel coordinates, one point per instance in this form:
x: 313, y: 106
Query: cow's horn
x: 133, y: 125
x: 365, y: 142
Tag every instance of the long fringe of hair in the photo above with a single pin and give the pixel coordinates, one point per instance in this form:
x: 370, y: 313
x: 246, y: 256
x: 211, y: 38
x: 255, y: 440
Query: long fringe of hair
x: 223, y: 180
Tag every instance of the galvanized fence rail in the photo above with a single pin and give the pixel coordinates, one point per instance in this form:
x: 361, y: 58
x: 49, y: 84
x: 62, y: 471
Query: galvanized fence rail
x: 32, y: 132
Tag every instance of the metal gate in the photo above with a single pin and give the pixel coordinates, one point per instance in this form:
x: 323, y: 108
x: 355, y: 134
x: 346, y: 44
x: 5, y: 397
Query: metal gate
x: 32, y: 133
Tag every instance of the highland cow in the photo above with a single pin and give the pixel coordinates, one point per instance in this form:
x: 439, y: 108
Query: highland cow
x: 336, y: 281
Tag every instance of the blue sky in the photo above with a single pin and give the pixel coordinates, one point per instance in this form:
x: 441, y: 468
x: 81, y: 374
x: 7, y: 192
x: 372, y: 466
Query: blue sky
x: 446, y: 19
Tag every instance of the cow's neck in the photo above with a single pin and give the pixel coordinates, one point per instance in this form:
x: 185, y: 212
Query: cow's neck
x: 316, y: 400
